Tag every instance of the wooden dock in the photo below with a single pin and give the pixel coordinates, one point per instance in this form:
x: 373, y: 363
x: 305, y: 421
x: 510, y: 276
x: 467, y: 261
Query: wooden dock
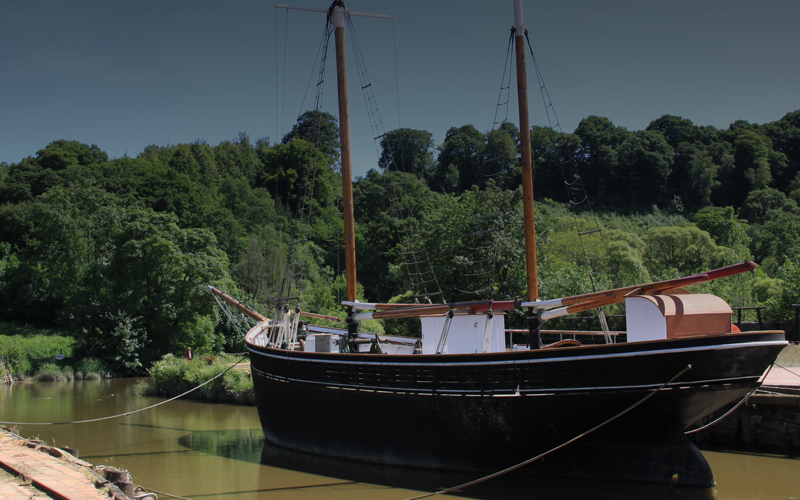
x: 33, y: 470
x: 782, y: 377
x: 769, y: 419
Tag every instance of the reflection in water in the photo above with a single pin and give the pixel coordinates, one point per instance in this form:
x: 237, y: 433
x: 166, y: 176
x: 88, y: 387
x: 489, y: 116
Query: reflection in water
x: 215, y: 451
x: 249, y: 446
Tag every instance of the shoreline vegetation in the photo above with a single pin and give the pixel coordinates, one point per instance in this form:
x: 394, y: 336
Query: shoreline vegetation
x: 31, y: 354
x: 172, y: 376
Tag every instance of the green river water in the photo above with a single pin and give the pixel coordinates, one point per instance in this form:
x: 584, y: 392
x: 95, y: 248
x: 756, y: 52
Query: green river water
x: 215, y: 451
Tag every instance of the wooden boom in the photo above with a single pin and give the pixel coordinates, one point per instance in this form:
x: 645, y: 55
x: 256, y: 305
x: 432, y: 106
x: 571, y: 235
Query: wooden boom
x: 648, y: 288
x: 238, y: 305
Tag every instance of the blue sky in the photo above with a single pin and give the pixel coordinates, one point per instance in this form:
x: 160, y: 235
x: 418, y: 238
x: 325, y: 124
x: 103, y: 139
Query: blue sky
x: 124, y: 75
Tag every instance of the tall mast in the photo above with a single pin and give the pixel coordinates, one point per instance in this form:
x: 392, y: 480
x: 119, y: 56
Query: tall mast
x: 338, y: 14
x: 534, y: 321
x: 525, y: 160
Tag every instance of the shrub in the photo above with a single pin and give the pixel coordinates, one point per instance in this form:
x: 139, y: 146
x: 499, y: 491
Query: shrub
x: 91, y: 369
x: 173, y: 375
x: 50, y: 372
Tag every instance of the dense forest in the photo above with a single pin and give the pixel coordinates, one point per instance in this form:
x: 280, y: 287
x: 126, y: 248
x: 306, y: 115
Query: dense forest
x: 118, y: 252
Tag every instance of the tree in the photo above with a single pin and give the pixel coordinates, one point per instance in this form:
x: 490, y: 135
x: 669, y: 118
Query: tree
x: 785, y: 137
x: 698, y: 178
x: 500, y: 156
x: 679, y: 251
x: 723, y: 226
x: 58, y: 163
x: 3, y: 172
x: 555, y: 168
x: 777, y: 239
x: 158, y: 273
x: 675, y: 129
x: 640, y: 169
x: 239, y: 158
x: 788, y: 285
x: 461, y: 160
x: 760, y: 204
x: 599, y: 140
x: 61, y: 154
x: 379, y: 219
x: 408, y: 150
x: 50, y: 255
x: 750, y: 169
x: 320, y: 129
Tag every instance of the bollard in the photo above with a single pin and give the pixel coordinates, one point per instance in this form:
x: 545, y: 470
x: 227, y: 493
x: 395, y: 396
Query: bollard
x: 126, y: 487
x: 115, y: 475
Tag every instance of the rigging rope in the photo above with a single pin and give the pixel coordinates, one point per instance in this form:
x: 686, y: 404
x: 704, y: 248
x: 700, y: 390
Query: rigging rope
x: 473, y: 278
x: 417, y: 262
x: 577, y: 182
x: 788, y: 370
x: 133, y: 411
x: 296, y: 262
x: 226, y: 309
x: 652, y: 393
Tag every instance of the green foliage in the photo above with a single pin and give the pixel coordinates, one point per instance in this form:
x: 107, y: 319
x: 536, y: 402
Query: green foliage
x: 91, y: 369
x: 408, y: 150
x: 28, y: 348
x: 461, y: 158
x: 118, y: 252
x: 408, y: 327
x: 318, y: 128
x: 725, y: 228
x: 174, y: 375
x: 672, y: 252
x: 50, y: 372
x: 787, y: 282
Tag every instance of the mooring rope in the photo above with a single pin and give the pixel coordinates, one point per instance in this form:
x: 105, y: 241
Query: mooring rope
x: 740, y: 403
x: 226, y: 370
x: 149, y: 490
x: 787, y: 369
x: 531, y: 460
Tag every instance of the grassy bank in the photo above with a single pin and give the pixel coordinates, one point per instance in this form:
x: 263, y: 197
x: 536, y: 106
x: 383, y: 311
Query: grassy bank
x: 173, y: 375
x: 789, y: 356
x: 31, y: 352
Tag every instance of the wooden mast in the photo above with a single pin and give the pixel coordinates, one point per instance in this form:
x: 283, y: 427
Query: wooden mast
x: 534, y: 321
x: 525, y: 159
x: 338, y: 14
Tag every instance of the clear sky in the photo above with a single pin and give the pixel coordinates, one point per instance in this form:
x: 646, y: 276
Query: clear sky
x: 126, y: 74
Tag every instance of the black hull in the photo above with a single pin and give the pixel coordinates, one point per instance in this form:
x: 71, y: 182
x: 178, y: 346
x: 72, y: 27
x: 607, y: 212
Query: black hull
x: 485, y: 412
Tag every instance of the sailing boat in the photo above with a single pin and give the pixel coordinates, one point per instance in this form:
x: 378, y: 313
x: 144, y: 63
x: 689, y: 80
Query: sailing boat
x: 459, y: 400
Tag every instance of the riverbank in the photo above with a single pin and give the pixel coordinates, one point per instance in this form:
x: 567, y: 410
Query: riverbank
x: 172, y: 376
x: 30, y: 469
x: 29, y: 353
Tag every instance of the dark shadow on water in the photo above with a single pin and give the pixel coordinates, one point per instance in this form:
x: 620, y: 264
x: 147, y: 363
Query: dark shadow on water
x: 249, y: 446
x: 756, y: 451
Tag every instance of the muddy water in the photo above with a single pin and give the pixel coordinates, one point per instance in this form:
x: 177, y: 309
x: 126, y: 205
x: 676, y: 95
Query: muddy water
x: 214, y: 451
